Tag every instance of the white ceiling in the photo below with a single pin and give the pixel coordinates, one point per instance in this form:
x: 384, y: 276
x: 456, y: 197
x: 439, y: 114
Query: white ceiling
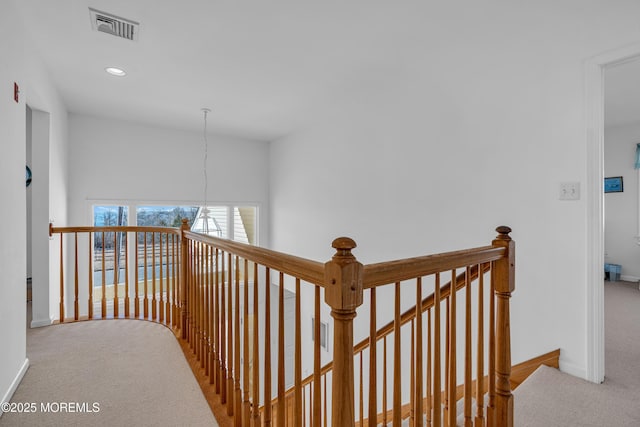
x: 264, y: 68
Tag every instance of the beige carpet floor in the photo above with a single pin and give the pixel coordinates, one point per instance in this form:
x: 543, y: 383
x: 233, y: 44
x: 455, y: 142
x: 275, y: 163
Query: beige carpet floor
x: 133, y: 370
x: 550, y: 398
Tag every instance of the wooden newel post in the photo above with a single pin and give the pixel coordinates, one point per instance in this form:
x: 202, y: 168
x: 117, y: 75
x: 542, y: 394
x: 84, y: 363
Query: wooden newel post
x: 503, y: 277
x: 184, y: 263
x: 343, y: 292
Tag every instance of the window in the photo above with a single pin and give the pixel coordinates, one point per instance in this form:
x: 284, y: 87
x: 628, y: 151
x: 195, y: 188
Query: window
x: 244, y: 224
x: 110, y: 215
x: 109, y: 243
x: 236, y: 222
x: 165, y: 216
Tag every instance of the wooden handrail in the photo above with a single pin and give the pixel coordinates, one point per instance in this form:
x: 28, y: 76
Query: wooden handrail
x: 112, y: 228
x: 385, y: 273
x: 305, y: 269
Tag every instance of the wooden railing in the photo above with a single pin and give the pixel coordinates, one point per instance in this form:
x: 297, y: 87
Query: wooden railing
x: 451, y: 345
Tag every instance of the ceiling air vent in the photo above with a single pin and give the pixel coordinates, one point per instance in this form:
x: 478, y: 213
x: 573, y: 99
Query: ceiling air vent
x: 114, y: 25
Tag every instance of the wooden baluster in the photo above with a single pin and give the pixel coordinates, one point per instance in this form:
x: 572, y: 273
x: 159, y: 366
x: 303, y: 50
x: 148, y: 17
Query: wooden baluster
x: 304, y: 407
x: 207, y: 311
x: 452, y: 349
x: 245, y: 354
x: 281, y: 356
x: 325, y: 415
x: 445, y: 409
x: 468, y: 421
x: 62, y: 280
x: 429, y: 406
x: 298, y: 411
x: 373, y: 365
x: 361, y: 397
x: 397, y: 369
x: 104, y: 281
x: 267, y: 348
x: 437, y: 366
x: 256, y: 350
x: 160, y: 290
x: 174, y: 282
x: 237, y: 369
x: 384, y: 381
x: 146, y: 278
x: 116, y: 275
x: 167, y: 260
x: 215, y: 350
x: 230, y: 405
x: 154, y: 304
x: 492, y: 355
x: 184, y: 255
x: 503, y: 278
x: 212, y: 321
x: 136, y: 300
x: 204, y: 301
x: 127, y: 308
x: 90, y: 307
x: 317, y: 414
x: 418, y: 355
x: 197, y: 301
x: 479, y: 421
x: 412, y: 381
x: 223, y: 342
x: 76, y: 305
x: 197, y: 284
x: 216, y: 322
x: 192, y: 297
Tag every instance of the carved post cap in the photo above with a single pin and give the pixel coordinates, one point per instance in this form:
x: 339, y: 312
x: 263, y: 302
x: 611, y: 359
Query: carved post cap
x: 343, y: 246
x: 343, y: 275
x: 185, y: 222
x: 503, y: 232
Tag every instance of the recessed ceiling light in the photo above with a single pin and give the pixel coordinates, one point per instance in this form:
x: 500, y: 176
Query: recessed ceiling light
x: 118, y: 72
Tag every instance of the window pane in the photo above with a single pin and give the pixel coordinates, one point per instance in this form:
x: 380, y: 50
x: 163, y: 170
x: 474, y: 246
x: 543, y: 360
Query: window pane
x: 244, y: 224
x: 165, y: 216
x: 109, y: 243
x: 110, y: 215
x: 216, y: 221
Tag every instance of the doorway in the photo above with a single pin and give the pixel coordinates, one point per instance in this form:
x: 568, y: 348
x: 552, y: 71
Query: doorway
x: 594, y: 109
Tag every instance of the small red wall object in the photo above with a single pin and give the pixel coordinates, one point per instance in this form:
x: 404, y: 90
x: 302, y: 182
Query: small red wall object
x: 16, y: 92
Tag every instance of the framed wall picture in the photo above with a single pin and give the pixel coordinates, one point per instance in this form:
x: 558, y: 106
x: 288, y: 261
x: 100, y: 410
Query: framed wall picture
x: 613, y: 184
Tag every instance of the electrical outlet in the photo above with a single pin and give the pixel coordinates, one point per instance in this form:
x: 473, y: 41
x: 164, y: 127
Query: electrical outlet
x: 569, y: 191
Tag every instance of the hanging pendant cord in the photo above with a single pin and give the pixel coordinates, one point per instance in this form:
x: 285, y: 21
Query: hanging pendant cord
x: 205, y: 210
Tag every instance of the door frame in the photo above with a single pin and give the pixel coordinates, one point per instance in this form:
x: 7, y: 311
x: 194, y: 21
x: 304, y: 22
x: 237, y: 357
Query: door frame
x: 595, y: 90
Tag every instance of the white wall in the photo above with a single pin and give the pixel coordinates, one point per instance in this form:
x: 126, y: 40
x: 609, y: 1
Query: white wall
x: 50, y: 180
x: 21, y: 64
x: 122, y: 161
x: 468, y: 121
x: 13, y: 360
x: 621, y: 209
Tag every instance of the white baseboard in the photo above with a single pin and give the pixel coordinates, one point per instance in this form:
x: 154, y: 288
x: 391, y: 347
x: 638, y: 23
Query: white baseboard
x: 16, y: 382
x: 41, y: 322
x: 629, y: 278
x: 572, y: 369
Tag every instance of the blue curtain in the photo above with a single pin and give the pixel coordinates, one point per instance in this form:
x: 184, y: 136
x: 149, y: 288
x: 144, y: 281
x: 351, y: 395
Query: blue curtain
x: 637, y: 156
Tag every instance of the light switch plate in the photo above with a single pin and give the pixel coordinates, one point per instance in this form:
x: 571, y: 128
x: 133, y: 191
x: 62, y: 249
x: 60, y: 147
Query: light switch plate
x: 569, y: 191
